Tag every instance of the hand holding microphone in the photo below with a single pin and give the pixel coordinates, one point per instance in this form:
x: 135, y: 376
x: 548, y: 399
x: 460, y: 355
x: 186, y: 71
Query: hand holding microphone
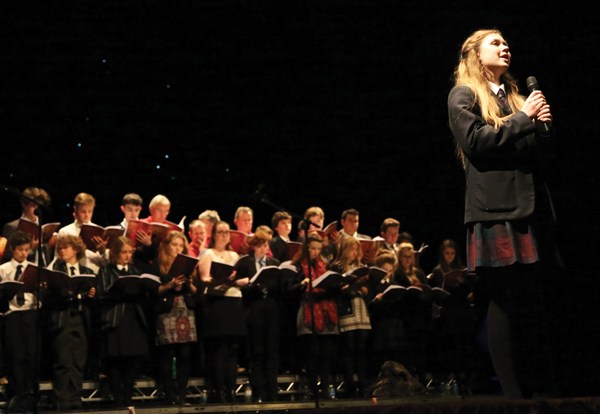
x: 538, y: 106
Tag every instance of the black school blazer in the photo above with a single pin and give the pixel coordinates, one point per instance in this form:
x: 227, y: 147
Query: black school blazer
x: 499, y: 162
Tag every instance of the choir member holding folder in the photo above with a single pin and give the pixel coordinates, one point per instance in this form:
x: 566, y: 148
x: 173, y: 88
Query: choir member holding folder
x: 19, y: 314
x: 147, y: 242
x: 319, y: 358
x: 123, y: 322
x: 388, y: 336
x: 29, y: 223
x: 175, y: 324
x: 454, y: 330
x: 263, y: 315
x: 224, y: 324
x: 70, y: 321
x: 353, y: 317
x: 417, y: 310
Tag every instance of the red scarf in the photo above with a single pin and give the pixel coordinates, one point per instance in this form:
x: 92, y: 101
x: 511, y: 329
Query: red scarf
x: 325, y: 310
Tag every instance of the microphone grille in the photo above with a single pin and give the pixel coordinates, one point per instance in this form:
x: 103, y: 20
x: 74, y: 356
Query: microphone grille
x: 532, y: 84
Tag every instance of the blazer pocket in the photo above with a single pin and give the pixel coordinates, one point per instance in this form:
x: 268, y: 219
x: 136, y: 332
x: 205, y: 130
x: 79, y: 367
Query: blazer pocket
x: 495, y: 191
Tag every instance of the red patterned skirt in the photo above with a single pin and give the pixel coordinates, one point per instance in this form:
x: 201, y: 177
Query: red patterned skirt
x: 498, y: 244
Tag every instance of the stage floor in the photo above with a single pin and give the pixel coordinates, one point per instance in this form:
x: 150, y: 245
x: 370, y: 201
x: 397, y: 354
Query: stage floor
x: 414, y: 405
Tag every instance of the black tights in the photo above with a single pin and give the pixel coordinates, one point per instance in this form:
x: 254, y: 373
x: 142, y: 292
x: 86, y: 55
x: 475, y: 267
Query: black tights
x: 517, y: 331
x: 354, y: 356
x: 318, y: 358
x: 183, y: 354
x: 122, y: 372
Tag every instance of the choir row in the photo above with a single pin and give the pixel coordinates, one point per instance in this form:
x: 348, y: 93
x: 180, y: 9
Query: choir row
x: 378, y: 319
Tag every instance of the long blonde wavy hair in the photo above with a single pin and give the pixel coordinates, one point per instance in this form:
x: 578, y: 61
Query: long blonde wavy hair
x: 470, y: 72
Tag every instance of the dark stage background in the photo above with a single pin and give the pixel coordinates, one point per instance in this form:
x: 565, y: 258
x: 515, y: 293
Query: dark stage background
x: 332, y: 103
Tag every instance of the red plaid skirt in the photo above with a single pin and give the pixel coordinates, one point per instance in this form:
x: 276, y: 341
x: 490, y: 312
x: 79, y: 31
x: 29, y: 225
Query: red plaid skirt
x: 497, y: 244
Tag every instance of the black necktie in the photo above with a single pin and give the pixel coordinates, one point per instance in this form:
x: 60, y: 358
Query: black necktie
x: 20, y: 294
x: 72, y: 270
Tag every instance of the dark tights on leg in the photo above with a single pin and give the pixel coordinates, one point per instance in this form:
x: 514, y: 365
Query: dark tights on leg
x: 319, y: 357
x: 354, y: 356
x: 121, y: 378
x: 183, y: 354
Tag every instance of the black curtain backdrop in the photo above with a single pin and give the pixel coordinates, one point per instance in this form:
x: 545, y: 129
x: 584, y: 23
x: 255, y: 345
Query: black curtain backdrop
x: 340, y: 104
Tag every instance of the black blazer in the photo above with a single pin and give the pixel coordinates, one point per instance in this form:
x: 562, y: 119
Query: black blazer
x: 114, y: 305
x: 60, y: 307
x: 164, y: 303
x: 277, y: 246
x: 246, y: 267
x: 499, y: 162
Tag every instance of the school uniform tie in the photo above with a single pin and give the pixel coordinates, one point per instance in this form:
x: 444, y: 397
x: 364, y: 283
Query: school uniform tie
x: 79, y: 298
x: 502, y: 96
x: 261, y: 264
x: 20, y: 294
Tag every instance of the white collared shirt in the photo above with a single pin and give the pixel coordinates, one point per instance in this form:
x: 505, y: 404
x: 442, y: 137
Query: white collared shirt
x: 93, y: 260
x: 343, y: 235
x: 257, y: 262
x: 496, y: 88
x: 7, y: 272
x: 123, y: 267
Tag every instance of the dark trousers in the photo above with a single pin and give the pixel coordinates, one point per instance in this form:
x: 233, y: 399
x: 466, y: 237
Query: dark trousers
x: 264, y: 328
x: 222, y: 353
x: 70, y: 348
x: 20, y: 341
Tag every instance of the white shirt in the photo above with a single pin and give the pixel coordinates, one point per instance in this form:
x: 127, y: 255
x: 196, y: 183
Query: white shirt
x: 76, y: 266
x: 93, y: 260
x: 229, y: 257
x: 496, y: 88
x: 257, y: 262
x: 7, y: 272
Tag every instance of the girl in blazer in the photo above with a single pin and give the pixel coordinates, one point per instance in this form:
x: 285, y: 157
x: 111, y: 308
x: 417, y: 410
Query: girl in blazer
x: 500, y: 137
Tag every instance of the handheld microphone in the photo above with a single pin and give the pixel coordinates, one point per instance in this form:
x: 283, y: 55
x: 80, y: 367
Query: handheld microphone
x: 532, y: 85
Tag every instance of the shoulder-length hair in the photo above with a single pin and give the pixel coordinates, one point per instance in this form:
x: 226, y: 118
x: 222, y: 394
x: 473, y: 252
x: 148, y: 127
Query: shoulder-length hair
x: 345, y: 250
x: 117, y: 246
x: 403, y: 248
x: 213, y: 235
x: 164, y: 260
x: 456, y: 263
x: 470, y: 72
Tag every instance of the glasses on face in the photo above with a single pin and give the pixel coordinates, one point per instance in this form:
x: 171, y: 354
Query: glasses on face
x: 222, y: 232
